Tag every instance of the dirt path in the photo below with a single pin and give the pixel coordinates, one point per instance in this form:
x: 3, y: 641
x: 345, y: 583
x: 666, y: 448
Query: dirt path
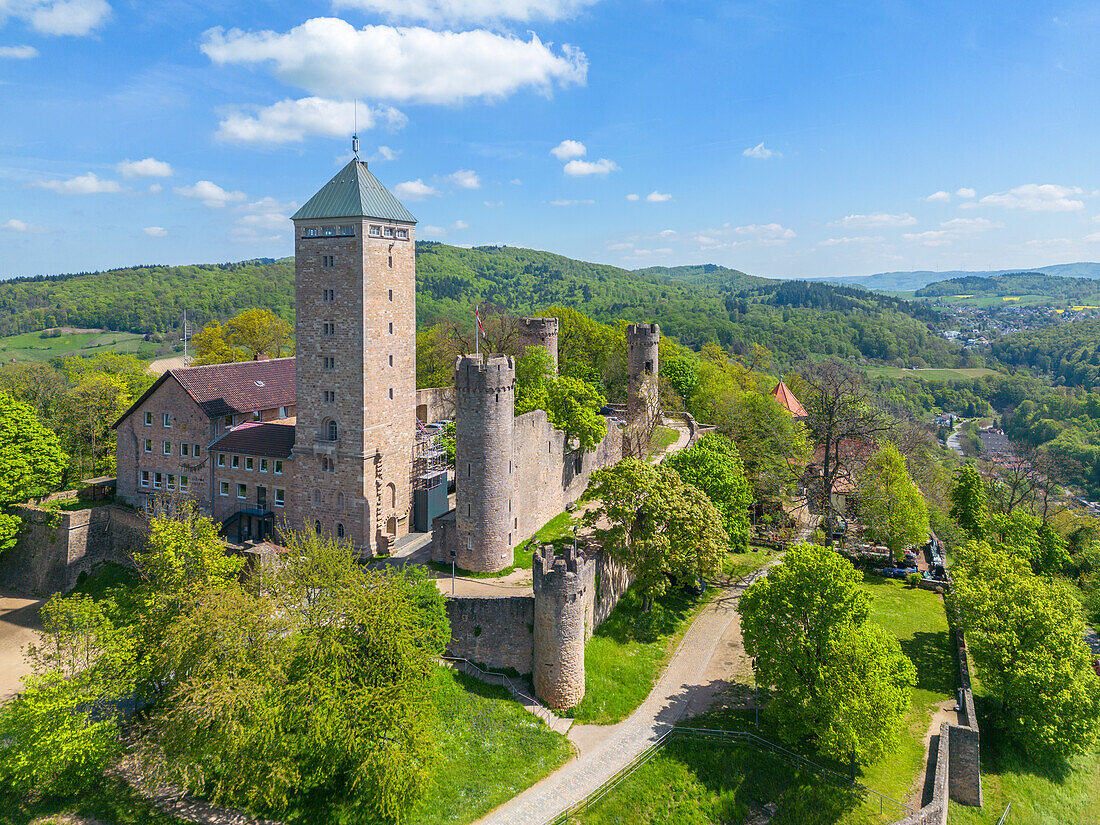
x: 19, y: 626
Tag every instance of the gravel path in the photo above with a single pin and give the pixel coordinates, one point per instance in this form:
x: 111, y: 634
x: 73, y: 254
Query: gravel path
x: 19, y: 626
x: 698, y: 672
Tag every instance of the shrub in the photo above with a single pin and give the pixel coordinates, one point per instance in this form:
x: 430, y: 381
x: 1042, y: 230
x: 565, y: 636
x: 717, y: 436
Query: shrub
x: 913, y: 579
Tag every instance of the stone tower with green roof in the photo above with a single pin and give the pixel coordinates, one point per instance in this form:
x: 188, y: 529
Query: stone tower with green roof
x: 355, y: 325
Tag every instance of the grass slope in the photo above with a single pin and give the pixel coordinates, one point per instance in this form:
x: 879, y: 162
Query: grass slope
x: 31, y: 346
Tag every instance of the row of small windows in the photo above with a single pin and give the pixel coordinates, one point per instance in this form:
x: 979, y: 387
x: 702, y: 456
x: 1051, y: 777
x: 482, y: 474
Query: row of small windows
x: 250, y: 463
x: 186, y: 450
x: 242, y: 492
x: 339, y: 529
x: 165, y: 481
x: 375, y: 231
x: 388, y: 232
x: 166, y: 420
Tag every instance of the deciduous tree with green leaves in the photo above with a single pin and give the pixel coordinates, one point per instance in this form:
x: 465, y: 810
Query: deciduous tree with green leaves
x: 890, y: 503
x: 714, y: 466
x: 969, y: 503
x: 32, y: 463
x: 838, y: 680
x: 250, y: 336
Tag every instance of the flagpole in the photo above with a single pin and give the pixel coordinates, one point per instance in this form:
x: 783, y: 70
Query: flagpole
x: 477, y: 335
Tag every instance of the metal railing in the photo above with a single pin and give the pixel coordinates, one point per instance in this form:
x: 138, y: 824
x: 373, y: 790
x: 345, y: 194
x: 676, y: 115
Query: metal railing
x: 724, y: 737
x: 505, y: 680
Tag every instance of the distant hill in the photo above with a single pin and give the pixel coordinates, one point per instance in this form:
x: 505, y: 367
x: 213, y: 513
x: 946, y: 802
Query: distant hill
x: 905, y: 281
x: 1016, y: 284
x: 696, y: 304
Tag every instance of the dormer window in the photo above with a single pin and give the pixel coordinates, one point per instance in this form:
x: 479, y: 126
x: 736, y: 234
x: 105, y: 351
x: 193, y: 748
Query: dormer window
x: 259, y: 383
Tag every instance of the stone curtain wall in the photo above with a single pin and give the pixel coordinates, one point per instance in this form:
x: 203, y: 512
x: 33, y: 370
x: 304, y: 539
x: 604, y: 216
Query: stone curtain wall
x: 435, y: 404
x: 494, y: 632
x: 55, y: 547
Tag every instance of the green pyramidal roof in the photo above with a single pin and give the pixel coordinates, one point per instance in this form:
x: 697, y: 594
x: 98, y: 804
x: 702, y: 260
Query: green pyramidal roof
x: 354, y: 193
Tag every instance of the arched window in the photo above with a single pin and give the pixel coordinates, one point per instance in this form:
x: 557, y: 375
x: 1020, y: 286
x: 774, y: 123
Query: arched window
x: 391, y: 495
x: 317, y: 527
x: 339, y: 499
x: 332, y: 431
x: 317, y: 498
x: 340, y: 530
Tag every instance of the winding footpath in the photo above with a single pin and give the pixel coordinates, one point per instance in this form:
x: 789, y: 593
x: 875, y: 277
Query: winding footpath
x: 701, y: 668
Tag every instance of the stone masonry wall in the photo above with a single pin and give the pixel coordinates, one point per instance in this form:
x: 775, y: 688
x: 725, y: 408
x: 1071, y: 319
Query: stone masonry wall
x: 493, y: 632
x: 563, y: 594
x: 435, y: 404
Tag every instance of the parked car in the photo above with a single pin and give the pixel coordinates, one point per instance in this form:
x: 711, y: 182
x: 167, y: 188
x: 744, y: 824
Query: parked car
x: 898, y: 572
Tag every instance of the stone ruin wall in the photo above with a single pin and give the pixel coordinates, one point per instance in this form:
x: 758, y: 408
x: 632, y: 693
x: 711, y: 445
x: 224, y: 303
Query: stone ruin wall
x: 435, y: 404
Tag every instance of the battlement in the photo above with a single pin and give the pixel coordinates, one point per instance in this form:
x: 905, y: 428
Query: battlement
x: 643, y: 333
x: 554, y: 570
x: 538, y: 326
x: 485, y: 373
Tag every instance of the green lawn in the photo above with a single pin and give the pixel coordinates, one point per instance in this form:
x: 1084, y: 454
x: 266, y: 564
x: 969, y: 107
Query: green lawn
x: 928, y: 374
x: 627, y: 653
x: 663, y: 438
x: 558, y: 531
x: 31, y: 346
x: 111, y: 801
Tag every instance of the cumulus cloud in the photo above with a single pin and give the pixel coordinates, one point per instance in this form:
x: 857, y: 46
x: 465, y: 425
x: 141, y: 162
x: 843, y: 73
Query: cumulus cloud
x: 966, y: 192
x: 564, y: 202
x: 620, y: 246
x: 292, y: 121
x: 877, y: 219
x: 465, y: 179
x: 432, y: 231
x: 148, y: 168
x: 18, y: 52
x: 329, y: 57
x: 1038, y: 197
x: 633, y: 196
x: 569, y: 149
x: 728, y: 236
x: 470, y: 11
x: 155, y: 231
x: 89, y: 184
x: 939, y: 197
x: 16, y: 225
x: 414, y: 190
x: 266, y: 215
x: 951, y: 230
x: 59, y: 17
x: 459, y: 225
x: 581, y: 168
x: 210, y: 194
x: 761, y: 152
x: 385, y: 153
x: 765, y: 230
x: 155, y: 189
x: 658, y: 197
x: 854, y: 239
x: 667, y: 233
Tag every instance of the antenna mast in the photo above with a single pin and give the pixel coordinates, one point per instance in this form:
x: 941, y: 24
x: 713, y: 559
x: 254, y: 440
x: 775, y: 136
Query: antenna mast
x: 186, y: 338
x: 355, y: 129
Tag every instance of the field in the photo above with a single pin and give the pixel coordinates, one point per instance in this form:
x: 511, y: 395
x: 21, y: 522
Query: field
x: 693, y: 782
x: 928, y: 374
x: 31, y: 346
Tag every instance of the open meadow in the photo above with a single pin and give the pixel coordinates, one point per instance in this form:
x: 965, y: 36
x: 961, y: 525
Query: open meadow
x: 31, y: 346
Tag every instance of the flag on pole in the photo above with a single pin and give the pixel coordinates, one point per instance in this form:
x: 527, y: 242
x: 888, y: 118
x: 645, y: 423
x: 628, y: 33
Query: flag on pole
x: 477, y: 314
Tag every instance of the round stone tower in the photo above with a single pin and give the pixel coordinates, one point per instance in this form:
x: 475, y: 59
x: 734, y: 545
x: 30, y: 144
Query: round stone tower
x: 561, y: 596
x: 539, y: 332
x: 642, y: 341
x: 484, y: 413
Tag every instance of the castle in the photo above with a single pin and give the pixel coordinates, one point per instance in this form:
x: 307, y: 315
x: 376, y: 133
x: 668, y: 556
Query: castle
x: 329, y: 439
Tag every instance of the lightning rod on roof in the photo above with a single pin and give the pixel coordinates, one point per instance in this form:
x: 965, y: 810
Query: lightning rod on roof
x: 355, y: 129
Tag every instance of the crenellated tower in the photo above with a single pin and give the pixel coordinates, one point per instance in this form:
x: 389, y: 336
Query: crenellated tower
x: 539, y: 332
x: 642, y: 342
x: 563, y: 591
x: 485, y: 518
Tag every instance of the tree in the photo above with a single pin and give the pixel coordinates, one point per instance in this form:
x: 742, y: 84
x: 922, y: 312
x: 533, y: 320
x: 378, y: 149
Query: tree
x: 714, y: 466
x: 682, y: 372
x: 890, y: 504
x: 534, y: 373
x: 92, y: 406
x: 969, y: 502
x: 32, y: 463
x: 573, y: 405
x: 772, y: 445
x: 1026, y: 636
x: 838, y: 680
x: 252, y: 335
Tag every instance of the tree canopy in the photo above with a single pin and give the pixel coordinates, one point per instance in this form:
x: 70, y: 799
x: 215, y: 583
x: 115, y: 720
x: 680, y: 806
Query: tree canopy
x: 32, y: 462
x: 249, y: 336
x: 714, y: 466
x: 890, y: 503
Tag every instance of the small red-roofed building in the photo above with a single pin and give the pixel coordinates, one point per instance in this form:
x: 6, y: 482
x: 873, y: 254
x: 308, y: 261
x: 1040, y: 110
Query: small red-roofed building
x: 787, y: 400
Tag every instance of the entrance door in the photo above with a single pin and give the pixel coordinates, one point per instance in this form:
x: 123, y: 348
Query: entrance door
x: 261, y: 497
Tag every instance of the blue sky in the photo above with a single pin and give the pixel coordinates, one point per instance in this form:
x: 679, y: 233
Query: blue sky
x: 790, y: 139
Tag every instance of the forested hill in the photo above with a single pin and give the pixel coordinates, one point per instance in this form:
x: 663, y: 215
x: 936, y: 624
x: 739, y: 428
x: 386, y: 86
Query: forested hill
x: 1069, y: 353
x: 794, y: 319
x: 1015, y: 284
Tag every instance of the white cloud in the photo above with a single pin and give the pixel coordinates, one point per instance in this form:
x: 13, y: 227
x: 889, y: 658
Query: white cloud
x: 465, y: 179
x: 855, y: 239
x: 432, y: 231
x: 620, y: 246
x: 706, y: 240
x: 633, y: 196
x: 72, y: 17
x: 658, y: 197
x: 292, y: 121
x: 470, y: 11
x: 568, y: 149
x: 18, y: 52
x: 266, y: 215
x: 1093, y: 237
x: 761, y: 152
x: 563, y: 202
x: 459, y: 225
x: 210, y: 194
x: 667, y: 233
x: 516, y: 182
x: 951, y: 230
x: 939, y: 197
x: 1050, y: 244
x: 89, y: 184
x: 966, y: 192
x: 414, y: 190
x: 753, y: 234
x: 877, y: 219
x: 155, y: 189
x: 580, y: 168
x: 1096, y: 218
x: 768, y: 231
x: 385, y: 153
x: 329, y: 57
x: 1036, y: 197
x: 155, y: 231
x: 148, y: 168
x: 16, y: 225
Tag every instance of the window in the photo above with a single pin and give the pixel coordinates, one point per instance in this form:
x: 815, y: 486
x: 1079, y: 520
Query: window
x: 194, y: 451
x: 144, y: 478
x: 339, y: 499
x: 328, y: 295
x: 221, y: 459
x: 278, y: 468
x: 330, y: 362
x: 242, y: 491
x: 280, y: 497
x: 340, y: 531
x: 171, y: 485
x: 328, y: 328
x: 391, y: 327
x: 332, y: 432
x: 391, y: 360
x: 185, y: 484
x: 225, y: 488
x: 402, y: 234
x: 282, y: 412
x: 330, y: 396
x: 388, y: 231
x: 185, y: 450
x: 256, y: 416
x: 328, y: 261
x: 391, y: 261
x: 317, y: 526
x: 317, y: 500
x: 391, y: 393
x: 148, y: 419
x: 248, y: 465
x: 148, y: 445
x: 328, y: 231
x: 347, y: 230
x: 263, y: 465
x: 328, y: 465
x: 376, y: 231
x: 167, y: 419
x: 227, y: 422
x: 391, y: 296
x: 168, y: 448
x: 158, y: 480
x: 236, y: 462
x: 311, y: 232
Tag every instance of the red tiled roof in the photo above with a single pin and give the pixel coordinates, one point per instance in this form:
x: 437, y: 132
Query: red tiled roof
x: 782, y: 393
x: 254, y: 438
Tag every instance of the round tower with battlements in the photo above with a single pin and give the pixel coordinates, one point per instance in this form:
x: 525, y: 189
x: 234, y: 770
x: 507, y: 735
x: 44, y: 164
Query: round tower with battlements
x: 539, y: 332
x: 485, y: 516
x: 642, y: 341
x: 562, y: 586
